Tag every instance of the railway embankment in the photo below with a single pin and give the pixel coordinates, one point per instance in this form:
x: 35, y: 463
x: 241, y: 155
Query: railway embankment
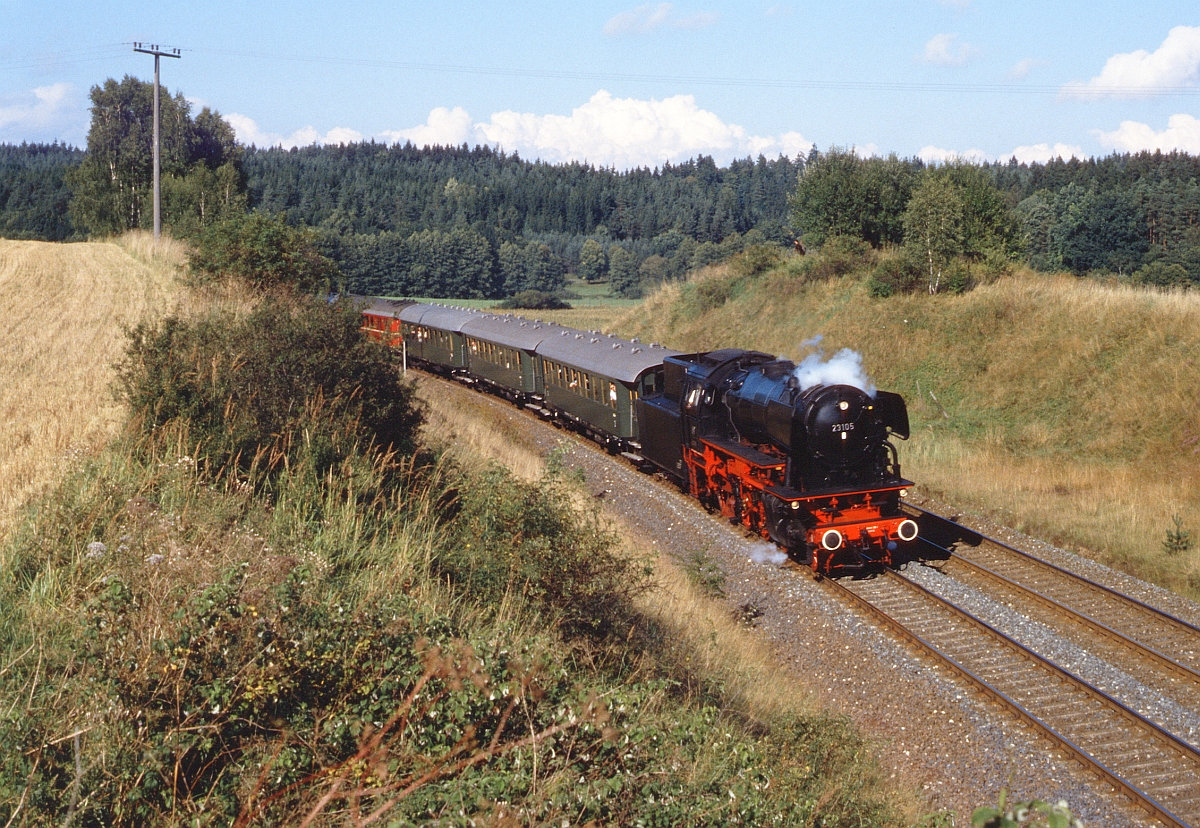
x: 1063, y: 407
x: 242, y: 610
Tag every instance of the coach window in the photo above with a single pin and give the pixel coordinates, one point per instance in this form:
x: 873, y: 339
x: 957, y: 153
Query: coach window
x: 612, y: 394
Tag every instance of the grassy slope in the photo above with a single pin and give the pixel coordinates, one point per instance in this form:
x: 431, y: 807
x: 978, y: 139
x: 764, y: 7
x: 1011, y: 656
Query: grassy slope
x: 107, y: 287
x: 65, y: 309
x: 1065, y: 407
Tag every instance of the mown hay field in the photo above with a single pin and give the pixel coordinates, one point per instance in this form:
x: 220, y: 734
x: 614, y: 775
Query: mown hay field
x: 66, y: 307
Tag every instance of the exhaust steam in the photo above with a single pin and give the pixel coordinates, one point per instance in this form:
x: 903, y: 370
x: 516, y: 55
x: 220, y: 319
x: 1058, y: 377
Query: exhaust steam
x: 767, y: 553
x: 843, y: 368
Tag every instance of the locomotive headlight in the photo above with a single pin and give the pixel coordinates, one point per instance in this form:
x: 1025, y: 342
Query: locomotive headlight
x: 831, y: 540
x: 904, y: 492
x: 843, y: 405
x: 795, y: 504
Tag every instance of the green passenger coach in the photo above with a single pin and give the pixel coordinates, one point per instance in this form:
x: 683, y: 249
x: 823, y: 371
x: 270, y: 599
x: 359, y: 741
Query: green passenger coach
x: 585, y: 379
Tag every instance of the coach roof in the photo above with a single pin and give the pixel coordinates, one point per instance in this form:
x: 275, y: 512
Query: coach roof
x: 513, y: 331
x: 599, y: 353
x: 441, y: 317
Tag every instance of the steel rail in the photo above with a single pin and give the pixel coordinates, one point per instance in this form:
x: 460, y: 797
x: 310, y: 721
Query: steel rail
x: 1160, y: 615
x: 1141, y: 797
x: 1099, y: 628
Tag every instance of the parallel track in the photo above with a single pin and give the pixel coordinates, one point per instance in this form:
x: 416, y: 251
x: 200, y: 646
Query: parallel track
x: 1118, y: 648
x: 1149, y: 765
x: 1156, y: 640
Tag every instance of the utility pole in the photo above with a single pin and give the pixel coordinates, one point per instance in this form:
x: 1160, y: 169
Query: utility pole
x: 158, y: 53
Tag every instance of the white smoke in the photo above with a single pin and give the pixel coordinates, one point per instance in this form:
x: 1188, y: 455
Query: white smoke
x: 767, y: 553
x: 843, y: 368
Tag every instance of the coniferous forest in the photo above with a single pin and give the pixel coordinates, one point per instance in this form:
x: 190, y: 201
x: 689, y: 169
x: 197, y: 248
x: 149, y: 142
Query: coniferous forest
x: 33, y: 191
x: 460, y: 221
x: 476, y: 222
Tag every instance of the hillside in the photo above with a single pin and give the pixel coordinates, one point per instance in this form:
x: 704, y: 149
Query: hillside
x: 65, y: 310
x: 1063, y: 407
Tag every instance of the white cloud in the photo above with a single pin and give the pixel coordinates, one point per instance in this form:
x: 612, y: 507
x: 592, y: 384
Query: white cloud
x: 1182, y: 133
x: 650, y: 17
x: 1136, y: 74
x: 936, y: 155
x: 778, y: 10
x: 1041, y: 153
x: 947, y: 50
x: 628, y: 132
x: 47, y: 113
x: 444, y: 127
x: 1022, y: 68
x: 248, y: 132
x: 605, y: 132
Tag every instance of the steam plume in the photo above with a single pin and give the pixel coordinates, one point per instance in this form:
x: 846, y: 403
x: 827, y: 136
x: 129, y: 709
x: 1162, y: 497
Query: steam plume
x: 843, y: 368
x: 767, y: 553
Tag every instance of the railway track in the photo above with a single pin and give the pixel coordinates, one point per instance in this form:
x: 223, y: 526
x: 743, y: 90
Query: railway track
x: 1130, y: 633
x: 1149, y: 765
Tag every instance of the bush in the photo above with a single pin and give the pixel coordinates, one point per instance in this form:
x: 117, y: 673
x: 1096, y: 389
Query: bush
x: 534, y: 300
x: 1162, y: 274
x: 757, y: 258
x: 264, y: 252
x: 292, y: 380
x: 509, y: 536
x: 838, y: 256
x: 1178, y: 539
x: 895, y: 274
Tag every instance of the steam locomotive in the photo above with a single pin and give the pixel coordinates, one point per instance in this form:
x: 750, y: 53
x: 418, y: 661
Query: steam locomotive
x: 810, y: 466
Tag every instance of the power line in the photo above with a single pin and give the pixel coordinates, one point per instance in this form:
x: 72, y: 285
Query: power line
x: 65, y: 57
x: 109, y: 51
x: 1080, y: 90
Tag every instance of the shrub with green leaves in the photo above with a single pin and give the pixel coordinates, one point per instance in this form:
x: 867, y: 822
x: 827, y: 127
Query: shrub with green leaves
x: 293, y: 379
x: 1016, y: 814
x: 1178, y: 539
x: 512, y: 537
x: 263, y: 251
x: 758, y: 258
x: 896, y: 274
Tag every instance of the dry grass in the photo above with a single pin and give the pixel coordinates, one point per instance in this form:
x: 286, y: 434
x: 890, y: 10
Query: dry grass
x: 726, y: 651
x: 465, y: 424
x: 67, y: 307
x: 1069, y: 408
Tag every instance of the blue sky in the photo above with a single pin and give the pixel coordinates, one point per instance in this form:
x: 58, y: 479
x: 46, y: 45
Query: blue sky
x: 629, y: 84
